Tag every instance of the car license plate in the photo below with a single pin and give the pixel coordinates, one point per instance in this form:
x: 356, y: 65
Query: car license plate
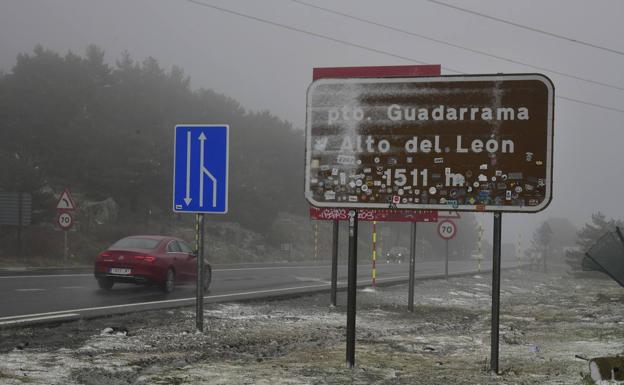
x: 116, y: 270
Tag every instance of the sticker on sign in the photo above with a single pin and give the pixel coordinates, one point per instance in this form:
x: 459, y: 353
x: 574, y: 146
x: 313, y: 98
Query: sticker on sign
x: 464, y: 143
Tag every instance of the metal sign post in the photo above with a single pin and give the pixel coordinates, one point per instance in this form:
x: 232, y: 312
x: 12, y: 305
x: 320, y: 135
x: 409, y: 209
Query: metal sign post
x: 410, y: 296
x: 446, y: 261
x: 496, y: 265
x: 200, y: 186
x: 334, y: 272
x: 352, y: 286
x: 65, y: 248
x: 19, y: 227
x: 65, y: 206
x: 199, y: 299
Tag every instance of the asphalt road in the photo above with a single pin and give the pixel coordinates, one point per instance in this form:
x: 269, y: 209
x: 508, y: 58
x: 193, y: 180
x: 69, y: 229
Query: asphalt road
x: 57, y: 296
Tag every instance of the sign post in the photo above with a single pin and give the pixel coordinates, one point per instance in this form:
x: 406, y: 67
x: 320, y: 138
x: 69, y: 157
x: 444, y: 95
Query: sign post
x: 19, y: 226
x: 496, y: 262
x: 199, y: 284
x: 334, y: 272
x: 200, y: 186
x: 412, y: 268
x: 65, y: 206
x: 352, y: 287
x: 65, y: 222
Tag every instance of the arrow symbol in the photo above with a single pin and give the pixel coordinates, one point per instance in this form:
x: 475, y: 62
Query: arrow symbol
x: 204, y: 171
x: 188, y: 199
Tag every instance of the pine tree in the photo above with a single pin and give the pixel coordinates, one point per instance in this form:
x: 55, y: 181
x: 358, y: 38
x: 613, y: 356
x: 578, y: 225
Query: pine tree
x: 540, y: 245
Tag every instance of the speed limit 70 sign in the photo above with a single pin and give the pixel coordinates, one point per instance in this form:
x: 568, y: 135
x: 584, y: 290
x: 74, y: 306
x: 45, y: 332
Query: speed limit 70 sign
x: 65, y: 221
x: 447, y: 229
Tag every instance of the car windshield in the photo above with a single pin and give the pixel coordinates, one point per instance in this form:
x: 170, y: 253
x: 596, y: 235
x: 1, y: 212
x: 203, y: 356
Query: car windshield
x: 136, y: 243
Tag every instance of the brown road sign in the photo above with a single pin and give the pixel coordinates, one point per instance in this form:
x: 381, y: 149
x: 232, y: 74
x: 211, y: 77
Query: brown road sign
x: 468, y: 143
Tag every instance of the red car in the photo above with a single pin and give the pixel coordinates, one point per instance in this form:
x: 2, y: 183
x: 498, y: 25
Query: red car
x: 149, y: 259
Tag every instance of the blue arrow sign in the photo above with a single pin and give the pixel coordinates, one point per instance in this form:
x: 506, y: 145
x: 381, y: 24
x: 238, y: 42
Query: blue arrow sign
x: 200, y: 169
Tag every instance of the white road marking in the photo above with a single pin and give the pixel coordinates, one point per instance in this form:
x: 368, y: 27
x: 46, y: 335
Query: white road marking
x: 311, y: 279
x: 51, y: 317
x: 45, y: 276
x: 272, y: 268
x: 29, y: 290
x: 214, y: 270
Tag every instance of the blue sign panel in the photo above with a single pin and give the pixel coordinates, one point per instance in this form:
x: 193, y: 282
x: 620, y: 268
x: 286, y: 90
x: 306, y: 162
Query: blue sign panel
x: 200, y: 169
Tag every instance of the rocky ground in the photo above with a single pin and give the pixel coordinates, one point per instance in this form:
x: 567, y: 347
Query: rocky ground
x: 545, y: 321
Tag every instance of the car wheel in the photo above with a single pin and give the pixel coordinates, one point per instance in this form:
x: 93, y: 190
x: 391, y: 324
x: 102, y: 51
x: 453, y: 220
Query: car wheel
x: 207, y: 279
x: 169, y: 284
x: 105, y: 283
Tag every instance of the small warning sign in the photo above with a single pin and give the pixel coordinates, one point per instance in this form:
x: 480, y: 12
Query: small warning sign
x: 65, y: 202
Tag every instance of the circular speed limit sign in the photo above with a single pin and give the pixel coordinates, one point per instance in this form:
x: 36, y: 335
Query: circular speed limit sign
x: 65, y: 221
x: 447, y: 229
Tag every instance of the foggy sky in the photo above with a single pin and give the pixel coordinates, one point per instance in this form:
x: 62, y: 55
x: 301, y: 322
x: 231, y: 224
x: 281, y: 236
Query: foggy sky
x: 267, y: 67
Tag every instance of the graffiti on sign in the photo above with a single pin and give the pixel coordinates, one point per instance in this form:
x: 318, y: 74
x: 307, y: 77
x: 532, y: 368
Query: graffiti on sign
x: 379, y: 215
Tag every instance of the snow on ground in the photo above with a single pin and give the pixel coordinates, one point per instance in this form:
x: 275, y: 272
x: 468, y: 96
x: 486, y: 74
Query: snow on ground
x: 545, y: 321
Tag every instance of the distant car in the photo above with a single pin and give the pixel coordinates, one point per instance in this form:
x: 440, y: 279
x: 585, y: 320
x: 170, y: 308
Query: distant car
x: 397, y: 255
x: 151, y: 260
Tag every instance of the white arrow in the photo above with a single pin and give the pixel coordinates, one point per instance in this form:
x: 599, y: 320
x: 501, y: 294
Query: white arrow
x: 204, y: 171
x: 188, y: 199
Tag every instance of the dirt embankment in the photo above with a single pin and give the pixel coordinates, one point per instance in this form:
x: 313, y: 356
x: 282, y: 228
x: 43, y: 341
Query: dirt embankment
x: 545, y: 321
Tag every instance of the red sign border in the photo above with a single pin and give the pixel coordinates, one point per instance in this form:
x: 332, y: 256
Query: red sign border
x: 71, y: 223
x: 454, y: 225
x: 71, y: 200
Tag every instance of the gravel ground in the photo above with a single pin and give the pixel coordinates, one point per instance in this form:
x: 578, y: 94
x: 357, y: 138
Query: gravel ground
x: 545, y: 321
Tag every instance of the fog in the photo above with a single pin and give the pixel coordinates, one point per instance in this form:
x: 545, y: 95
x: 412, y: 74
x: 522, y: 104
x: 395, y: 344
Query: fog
x: 268, y: 67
